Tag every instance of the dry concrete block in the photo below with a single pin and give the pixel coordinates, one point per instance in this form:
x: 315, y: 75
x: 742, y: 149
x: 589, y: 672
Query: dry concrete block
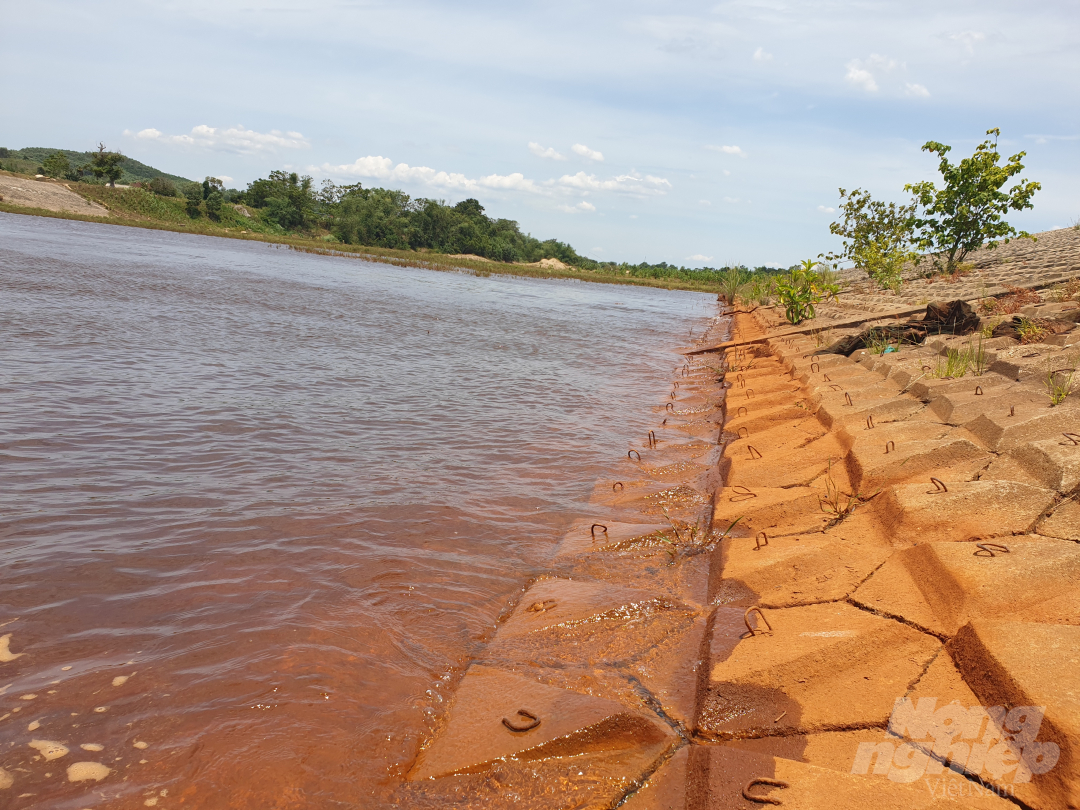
x: 963, y: 407
x: 837, y: 413
x: 1017, y: 666
x: 729, y: 771
x: 498, y: 717
x: 969, y: 510
x: 955, y: 583
x: 1055, y: 463
x: 928, y: 389
x: 1063, y: 522
x: 563, y: 622
x: 820, y: 668
x: 1001, y: 430
x: 791, y: 571
x: 756, y: 419
x: 861, y: 434
x: 786, y: 468
x: 796, y: 510
x: 881, y: 464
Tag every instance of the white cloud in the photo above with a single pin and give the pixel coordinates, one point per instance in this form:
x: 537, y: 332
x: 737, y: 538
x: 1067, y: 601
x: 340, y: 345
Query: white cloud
x: 731, y: 199
x: 697, y: 257
x: 862, y: 72
x: 383, y: 169
x: 727, y: 173
x: 577, y: 209
x: 548, y: 152
x: 632, y: 183
x: 968, y: 39
x: 760, y: 55
x: 826, y: 209
x: 224, y: 178
x: 727, y: 150
x: 587, y: 153
x: 917, y: 90
x: 706, y: 203
x: 232, y: 139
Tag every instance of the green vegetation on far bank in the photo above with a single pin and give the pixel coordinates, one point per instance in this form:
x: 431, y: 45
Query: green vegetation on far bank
x: 33, y: 158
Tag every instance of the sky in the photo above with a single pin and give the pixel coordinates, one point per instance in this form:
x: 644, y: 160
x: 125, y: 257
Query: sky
x: 695, y: 133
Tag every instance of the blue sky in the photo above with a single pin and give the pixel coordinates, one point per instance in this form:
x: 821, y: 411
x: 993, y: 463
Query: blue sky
x: 693, y: 133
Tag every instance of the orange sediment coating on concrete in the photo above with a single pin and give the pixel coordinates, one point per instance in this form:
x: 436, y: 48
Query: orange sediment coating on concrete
x: 914, y: 567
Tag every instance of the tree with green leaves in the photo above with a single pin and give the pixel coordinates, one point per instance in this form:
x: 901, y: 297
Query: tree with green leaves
x: 106, y: 165
x: 193, y: 194
x: 878, y: 236
x: 804, y: 287
x: 969, y: 210
x: 56, y: 165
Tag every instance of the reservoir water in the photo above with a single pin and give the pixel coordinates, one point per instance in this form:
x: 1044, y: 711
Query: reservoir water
x: 258, y: 507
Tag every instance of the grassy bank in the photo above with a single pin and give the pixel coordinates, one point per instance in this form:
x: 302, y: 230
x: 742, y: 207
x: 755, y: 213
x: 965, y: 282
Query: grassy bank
x: 134, y: 207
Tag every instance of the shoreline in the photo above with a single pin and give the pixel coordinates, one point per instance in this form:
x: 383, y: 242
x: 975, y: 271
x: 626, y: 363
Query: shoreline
x: 867, y: 541
x: 400, y: 258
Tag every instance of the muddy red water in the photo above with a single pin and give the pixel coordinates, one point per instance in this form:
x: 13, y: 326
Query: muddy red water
x: 258, y: 507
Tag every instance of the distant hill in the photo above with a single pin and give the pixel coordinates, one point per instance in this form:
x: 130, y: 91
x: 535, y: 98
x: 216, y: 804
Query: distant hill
x: 26, y: 161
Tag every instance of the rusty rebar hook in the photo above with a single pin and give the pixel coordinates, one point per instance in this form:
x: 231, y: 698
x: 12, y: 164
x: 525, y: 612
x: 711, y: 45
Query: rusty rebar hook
x: 1012, y: 410
x: 1074, y: 438
x: 652, y: 439
x: 635, y: 452
x: 618, y: 484
x: 826, y: 378
x: 753, y: 450
x: 988, y: 549
x: 939, y: 486
x: 757, y: 540
x: 847, y: 398
x: 740, y: 380
x: 870, y: 421
x: 752, y: 797
x: 889, y: 444
x: 741, y: 494
x: 746, y: 620
x: 749, y: 393
x: 740, y: 433
x: 669, y: 407
x: 531, y: 722
x: 815, y: 368
x: 978, y: 391
x: 592, y: 529
x: 836, y: 387
x: 741, y: 411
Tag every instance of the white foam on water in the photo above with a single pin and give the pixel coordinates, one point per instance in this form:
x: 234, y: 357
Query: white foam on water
x: 86, y: 771
x: 48, y: 749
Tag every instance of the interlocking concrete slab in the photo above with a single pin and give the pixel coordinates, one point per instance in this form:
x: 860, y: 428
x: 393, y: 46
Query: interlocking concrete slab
x: 474, y: 736
x: 796, y: 510
x: 1064, y: 522
x: 821, y: 667
x: 969, y: 510
x: 999, y: 430
x: 608, y: 535
x: 889, y: 461
x: 756, y: 420
x: 670, y: 672
x: 1037, y: 579
x: 1021, y: 665
x: 793, y: 571
x: 964, y: 407
x: 560, y: 622
x: 799, y: 466
x: 665, y: 788
x: 808, y: 787
x: 1053, y: 462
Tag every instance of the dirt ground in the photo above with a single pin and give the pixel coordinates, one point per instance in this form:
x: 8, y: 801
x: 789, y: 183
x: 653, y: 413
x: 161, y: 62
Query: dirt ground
x: 48, y: 194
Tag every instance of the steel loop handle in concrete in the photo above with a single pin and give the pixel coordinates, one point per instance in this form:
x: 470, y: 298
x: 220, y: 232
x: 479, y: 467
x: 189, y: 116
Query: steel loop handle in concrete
x: 669, y: 407
x: 746, y: 620
x: 889, y: 445
x: 742, y: 411
x: 757, y: 541
x: 635, y: 452
x: 742, y: 493
x: 740, y: 433
x: 1074, y: 438
x: 988, y: 549
x: 618, y: 484
x: 939, y: 486
x: 530, y: 722
x: 752, y: 797
x: 592, y: 529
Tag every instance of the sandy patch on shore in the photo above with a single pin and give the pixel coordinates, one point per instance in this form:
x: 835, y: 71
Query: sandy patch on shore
x: 47, y: 194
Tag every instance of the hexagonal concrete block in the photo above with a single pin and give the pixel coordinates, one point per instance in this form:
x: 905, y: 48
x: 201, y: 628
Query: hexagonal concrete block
x: 498, y: 715
x: 821, y: 667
